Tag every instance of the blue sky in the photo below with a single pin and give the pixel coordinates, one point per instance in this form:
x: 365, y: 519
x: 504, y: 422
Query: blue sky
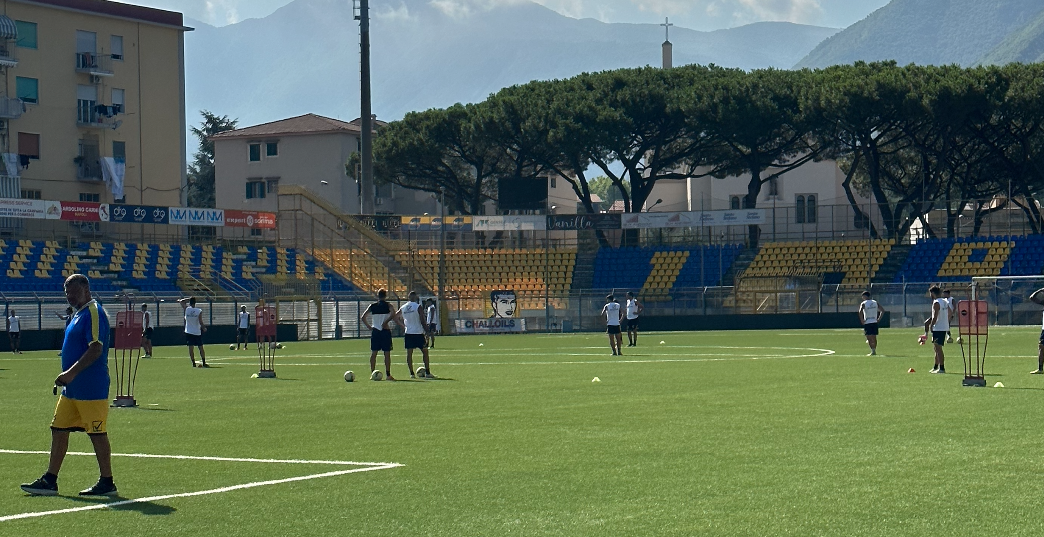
x: 695, y: 14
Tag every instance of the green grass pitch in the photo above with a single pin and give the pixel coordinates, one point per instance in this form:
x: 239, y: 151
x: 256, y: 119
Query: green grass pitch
x: 715, y: 433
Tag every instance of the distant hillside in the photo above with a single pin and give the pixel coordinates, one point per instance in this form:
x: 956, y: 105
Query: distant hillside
x: 928, y: 32
x: 1025, y: 45
x: 305, y: 56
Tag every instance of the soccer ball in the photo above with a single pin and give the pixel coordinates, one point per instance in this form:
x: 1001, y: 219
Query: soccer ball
x: 422, y: 372
x: 349, y: 376
x: 279, y: 345
x: 231, y: 347
x: 376, y: 375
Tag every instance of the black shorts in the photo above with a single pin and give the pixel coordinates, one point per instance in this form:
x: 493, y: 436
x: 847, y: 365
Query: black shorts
x: 870, y: 329
x: 245, y: 332
x: 381, y: 340
x: 15, y: 335
x: 939, y: 338
x: 612, y: 329
x: 193, y: 340
x: 416, y: 341
x: 1042, y: 337
x: 632, y: 324
x: 147, y: 333
x: 432, y: 328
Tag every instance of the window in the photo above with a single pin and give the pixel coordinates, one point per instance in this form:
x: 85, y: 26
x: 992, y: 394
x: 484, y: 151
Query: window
x: 86, y: 196
x: 255, y: 152
x: 119, y: 151
x: 26, y: 34
x: 86, y: 42
x: 86, y: 103
x: 773, y: 187
x: 272, y: 186
x: 272, y: 149
x: 31, y: 194
x: 28, y: 145
x: 254, y: 232
x: 28, y: 89
x: 554, y: 182
x: 799, y: 210
x: 255, y: 188
x: 116, y: 47
x: 734, y: 203
x: 813, y: 213
x: 117, y: 100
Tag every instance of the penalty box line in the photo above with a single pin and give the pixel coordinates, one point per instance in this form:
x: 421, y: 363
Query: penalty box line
x: 365, y: 467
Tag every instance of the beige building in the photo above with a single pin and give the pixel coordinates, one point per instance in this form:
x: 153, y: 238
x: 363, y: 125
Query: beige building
x: 309, y: 151
x: 92, y: 89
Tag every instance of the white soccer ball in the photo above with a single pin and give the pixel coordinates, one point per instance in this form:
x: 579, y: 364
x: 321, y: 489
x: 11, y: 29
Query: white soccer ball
x: 231, y: 347
x: 349, y: 376
x: 376, y: 375
x: 662, y: 342
x: 422, y: 372
x: 482, y: 344
x: 279, y: 345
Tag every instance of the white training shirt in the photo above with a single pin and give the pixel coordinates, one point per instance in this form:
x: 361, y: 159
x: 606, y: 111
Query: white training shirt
x: 943, y: 323
x: 16, y: 324
x: 870, y: 311
x: 192, y: 316
x: 146, y: 318
x: 411, y: 315
x: 433, y: 315
x: 244, y: 319
x: 632, y: 309
x: 612, y: 313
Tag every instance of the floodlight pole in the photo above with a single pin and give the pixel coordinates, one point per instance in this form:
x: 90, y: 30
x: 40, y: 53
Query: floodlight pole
x: 443, y: 312
x: 366, y: 113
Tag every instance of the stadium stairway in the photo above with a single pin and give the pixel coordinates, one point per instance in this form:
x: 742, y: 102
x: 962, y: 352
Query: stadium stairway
x: 739, y: 265
x: 892, y: 264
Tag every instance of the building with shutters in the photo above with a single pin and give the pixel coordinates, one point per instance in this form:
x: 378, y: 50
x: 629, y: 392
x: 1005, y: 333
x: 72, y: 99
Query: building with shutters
x: 93, y: 102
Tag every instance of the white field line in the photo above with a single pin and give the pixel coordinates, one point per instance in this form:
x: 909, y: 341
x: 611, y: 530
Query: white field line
x: 367, y: 467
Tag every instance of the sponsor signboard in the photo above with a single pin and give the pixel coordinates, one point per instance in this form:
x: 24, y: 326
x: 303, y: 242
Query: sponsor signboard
x: 81, y: 211
x: 489, y: 326
x: 34, y: 209
x: 186, y: 216
x: 250, y: 219
x: 137, y: 214
x: 741, y: 217
x: 509, y: 223
x: 380, y: 222
x: 579, y: 222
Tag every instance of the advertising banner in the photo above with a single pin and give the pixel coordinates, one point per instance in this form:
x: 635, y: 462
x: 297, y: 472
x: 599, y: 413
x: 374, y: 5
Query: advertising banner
x: 196, y: 217
x: 81, y: 211
x: 250, y: 219
x: 579, y: 222
x: 380, y: 223
x: 136, y: 214
x: 34, y: 209
x: 740, y: 217
x: 509, y: 223
x: 489, y: 326
x: 434, y: 223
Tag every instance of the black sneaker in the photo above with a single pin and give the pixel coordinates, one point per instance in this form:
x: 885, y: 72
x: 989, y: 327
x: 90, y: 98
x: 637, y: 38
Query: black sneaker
x: 41, y: 487
x: 101, y: 488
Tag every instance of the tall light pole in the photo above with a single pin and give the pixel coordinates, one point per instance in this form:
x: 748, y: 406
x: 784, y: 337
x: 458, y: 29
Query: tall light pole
x: 443, y: 313
x: 366, y: 113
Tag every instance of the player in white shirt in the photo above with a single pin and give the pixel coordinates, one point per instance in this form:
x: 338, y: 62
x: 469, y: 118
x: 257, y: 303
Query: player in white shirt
x: 870, y: 313
x: 194, y: 329
x: 1038, y: 298
x: 243, y: 328
x: 410, y: 316
x: 146, y: 330
x: 14, y: 331
x: 433, y: 323
x: 611, y: 314
x: 939, y: 324
x: 634, y: 309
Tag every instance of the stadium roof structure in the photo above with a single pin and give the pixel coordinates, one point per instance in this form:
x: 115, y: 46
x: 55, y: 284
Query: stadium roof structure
x: 297, y: 126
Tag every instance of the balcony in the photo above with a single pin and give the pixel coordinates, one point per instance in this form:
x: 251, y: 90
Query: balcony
x: 7, y: 54
x: 11, y: 108
x: 90, y: 115
x: 88, y: 169
x: 94, y: 64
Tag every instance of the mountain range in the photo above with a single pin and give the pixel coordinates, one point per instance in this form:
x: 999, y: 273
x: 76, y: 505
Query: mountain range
x: 938, y: 32
x: 304, y: 57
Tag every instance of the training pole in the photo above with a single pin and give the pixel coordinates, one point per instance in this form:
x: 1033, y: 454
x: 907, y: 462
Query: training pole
x: 973, y: 325
x: 126, y: 353
x: 265, y: 334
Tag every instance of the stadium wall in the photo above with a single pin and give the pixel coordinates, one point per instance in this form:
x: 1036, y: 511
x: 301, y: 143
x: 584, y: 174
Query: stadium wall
x: 51, y: 339
x: 765, y: 321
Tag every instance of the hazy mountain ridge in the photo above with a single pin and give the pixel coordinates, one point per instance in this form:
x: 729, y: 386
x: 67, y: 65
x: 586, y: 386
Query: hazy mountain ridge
x: 1025, y: 45
x: 927, y: 32
x: 305, y: 56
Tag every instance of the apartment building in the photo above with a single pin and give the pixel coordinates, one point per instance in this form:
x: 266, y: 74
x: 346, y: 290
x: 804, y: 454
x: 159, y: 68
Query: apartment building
x: 93, y: 102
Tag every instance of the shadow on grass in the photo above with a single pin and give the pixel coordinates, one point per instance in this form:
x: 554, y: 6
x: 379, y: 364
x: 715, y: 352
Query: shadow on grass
x: 145, y: 508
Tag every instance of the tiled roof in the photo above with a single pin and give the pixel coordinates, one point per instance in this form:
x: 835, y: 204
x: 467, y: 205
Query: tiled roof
x: 306, y: 124
x: 119, y: 9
